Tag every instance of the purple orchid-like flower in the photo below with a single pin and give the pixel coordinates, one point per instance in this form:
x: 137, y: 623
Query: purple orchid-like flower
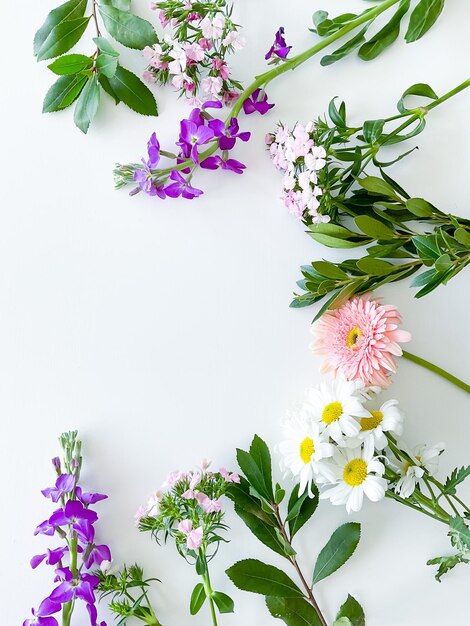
x: 97, y: 555
x: 52, y: 557
x: 212, y: 104
x: 214, y: 162
x: 279, y: 47
x: 45, y: 528
x: 153, y: 148
x: 74, y: 514
x: 71, y: 587
x: 43, y: 615
x: 89, y: 498
x: 192, y: 136
x: 144, y: 178
x: 181, y: 187
x: 64, y: 484
x: 93, y: 613
x: 228, y: 135
x: 257, y: 102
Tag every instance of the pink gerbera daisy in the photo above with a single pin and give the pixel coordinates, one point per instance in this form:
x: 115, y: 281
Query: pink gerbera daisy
x: 360, y: 340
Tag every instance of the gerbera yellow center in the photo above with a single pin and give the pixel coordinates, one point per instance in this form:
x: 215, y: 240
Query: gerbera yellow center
x: 332, y: 412
x: 307, y: 449
x: 353, y: 336
x: 355, y: 472
x: 369, y: 423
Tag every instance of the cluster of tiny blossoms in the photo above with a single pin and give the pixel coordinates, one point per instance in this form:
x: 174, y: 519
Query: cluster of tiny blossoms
x: 296, y: 153
x: 193, y: 58
x: 73, y: 524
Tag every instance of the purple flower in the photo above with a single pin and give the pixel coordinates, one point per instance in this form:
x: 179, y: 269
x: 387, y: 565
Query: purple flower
x: 212, y: 104
x: 89, y: 498
x: 144, y: 178
x: 214, y: 162
x: 97, y: 555
x: 45, y: 528
x: 42, y: 617
x: 228, y: 135
x: 80, y: 518
x: 64, y: 484
x: 192, y: 136
x: 71, y: 587
x: 153, y: 148
x: 93, y: 613
x: 52, y: 557
x: 181, y: 187
x: 56, y: 464
x: 257, y: 102
x: 279, y: 47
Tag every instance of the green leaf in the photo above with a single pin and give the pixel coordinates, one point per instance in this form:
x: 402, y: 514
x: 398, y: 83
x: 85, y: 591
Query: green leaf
x: 424, y: 278
x: 353, y: 611
x: 426, y: 246
x: 346, y: 49
x: 128, y: 29
x: 374, y: 228
x: 106, y: 64
x: 446, y: 563
x: 62, y: 37
x: 459, y: 534
x: 279, y: 494
x: 68, y: 11
x: 70, y: 64
x: 198, y: 597
x: 375, y: 267
x: 262, y: 530
x: 256, y: 465
x: 87, y: 105
x: 339, y: 298
x: 463, y: 237
x: 342, y: 621
x: 336, y: 242
x: 337, y: 116
x: 122, y: 5
x: 244, y: 499
x: 293, y: 611
x: 333, y: 230
x: 386, y: 36
x: 329, y: 270
x: 419, y: 207
x: 104, y: 82
x: 129, y: 89
x: 257, y: 577
x: 300, y: 509
x: 103, y: 45
x: 337, y: 551
x: 419, y: 89
x: 443, y: 263
x: 375, y: 185
x: 457, y: 476
x: 372, y: 129
x: 223, y: 602
x: 63, y: 92
x: 422, y: 18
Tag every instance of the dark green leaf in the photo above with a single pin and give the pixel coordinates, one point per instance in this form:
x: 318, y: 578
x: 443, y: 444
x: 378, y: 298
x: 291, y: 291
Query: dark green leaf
x: 129, y: 89
x: 337, y: 116
x: 68, y: 11
x: 375, y: 267
x: 70, y: 64
x: 256, y: 465
x: 279, y: 494
x: 293, y: 611
x: 346, y: 49
x: 87, y: 105
x: 419, y: 89
x: 422, y: 18
x: 128, y: 29
x: 339, y: 298
x: 223, y: 602
x: 459, y: 534
x: 424, y: 278
x: 62, y: 37
x: 386, y: 36
x: 104, y: 82
x: 329, y: 270
x: 263, y: 531
x: 337, y: 551
x: 456, y: 477
x: 241, y: 496
x: 376, y: 185
x: 353, y: 611
x: 257, y: 577
x: 63, y: 92
x: 419, y: 207
x: 372, y: 129
x: 198, y: 597
x: 427, y: 247
x: 300, y: 509
x: 374, y: 228
x: 446, y: 563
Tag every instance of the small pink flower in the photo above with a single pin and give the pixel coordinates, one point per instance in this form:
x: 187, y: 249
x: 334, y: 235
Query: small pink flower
x: 229, y: 477
x: 208, y: 505
x: 193, y: 537
x: 229, y: 97
x: 193, y: 17
x: 235, y: 40
x: 212, y: 85
x: 195, y: 480
x: 189, y: 494
x: 205, y: 43
x: 221, y: 66
x: 164, y: 21
x: 139, y: 514
x: 185, y: 526
x: 360, y: 339
x: 194, y: 52
x: 148, y: 77
x: 174, y: 477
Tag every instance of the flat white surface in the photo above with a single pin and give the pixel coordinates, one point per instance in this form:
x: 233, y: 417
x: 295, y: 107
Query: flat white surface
x: 162, y: 330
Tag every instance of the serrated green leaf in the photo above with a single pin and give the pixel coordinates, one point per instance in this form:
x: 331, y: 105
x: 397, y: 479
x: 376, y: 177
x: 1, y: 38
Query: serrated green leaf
x: 106, y: 64
x: 122, y: 5
x: 70, y: 64
x: 68, y: 11
x: 345, y: 49
x: 353, y: 611
x: 459, y: 534
x: 104, y: 82
x: 87, y: 105
x: 386, y: 36
x: 104, y: 46
x: 293, y: 611
x: 300, y: 509
x: 129, y: 89
x: 256, y: 465
x: 266, y: 533
x: 62, y: 37
x: 198, y: 597
x: 241, y: 496
x: 457, y: 476
x: 422, y: 18
x: 63, y: 92
x: 257, y: 577
x: 223, y: 602
x: 419, y: 89
x: 337, y: 550
x: 131, y: 31
x: 374, y: 228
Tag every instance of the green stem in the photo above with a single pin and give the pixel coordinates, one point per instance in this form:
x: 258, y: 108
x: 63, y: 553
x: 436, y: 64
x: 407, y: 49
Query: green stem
x: 209, y: 591
x: 437, y: 370
x: 394, y: 496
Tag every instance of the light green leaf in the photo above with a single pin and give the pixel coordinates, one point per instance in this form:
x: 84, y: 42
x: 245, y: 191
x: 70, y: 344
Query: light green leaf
x: 419, y: 207
x: 372, y: 129
x: 63, y: 92
x: 70, y: 64
x: 336, y: 242
x: 106, y: 64
x: 459, y: 534
x: 128, y: 29
x: 346, y: 49
x: 62, y: 37
x: 457, y: 476
x: 129, y: 89
x: 198, y: 597
x: 378, y: 186
x: 386, y: 36
x: 293, y: 611
x: 443, y: 263
x: 352, y: 611
x: 419, y: 89
x: 257, y: 577
x: 374, y: 228
x: 423, y: 17
x: 122, y: 5
x: 68, y: 11
x: 337, y: 551
x: 375, y: 267
x: 329, y: 270
x: 104, y: 46
x: 463, y: 236
x: 87, y: 105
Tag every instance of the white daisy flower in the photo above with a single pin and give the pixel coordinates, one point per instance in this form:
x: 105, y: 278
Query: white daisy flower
x: 336, y: 405
x: 355, y: 472
x: 302, y: 449
x: 388, y: 418
x: 423, y: 460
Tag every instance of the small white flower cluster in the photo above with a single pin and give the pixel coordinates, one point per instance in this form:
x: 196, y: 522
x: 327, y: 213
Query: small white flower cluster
x: 195, y: 63
x: 337, y: 442
x: 295, y: 153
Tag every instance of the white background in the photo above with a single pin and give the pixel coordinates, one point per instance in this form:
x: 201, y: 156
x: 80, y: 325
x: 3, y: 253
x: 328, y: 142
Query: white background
x: 162, y: 330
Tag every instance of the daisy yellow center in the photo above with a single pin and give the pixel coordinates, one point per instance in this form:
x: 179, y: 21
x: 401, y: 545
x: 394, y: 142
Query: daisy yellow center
x: 355, y: 472
x: 408, y: 464
x: 332, y: 412
x: 307, y: 449
x: 369, y: 423
x: 352, y: 337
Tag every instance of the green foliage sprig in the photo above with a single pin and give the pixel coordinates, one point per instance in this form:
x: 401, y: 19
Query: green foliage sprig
x: 259, y: 504
x: 82, y: 77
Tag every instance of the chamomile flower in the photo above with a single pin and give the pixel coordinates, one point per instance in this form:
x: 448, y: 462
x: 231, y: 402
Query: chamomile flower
x: 388, y: 418
x: 302, y: 449
x: 355, y: 472
x: 423, y: 460
x: 335, y: 406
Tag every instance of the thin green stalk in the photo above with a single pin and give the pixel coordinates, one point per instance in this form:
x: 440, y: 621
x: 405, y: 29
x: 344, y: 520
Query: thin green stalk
x: 208, y: 589
x: 392, y: 495
x: 437, y: 370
